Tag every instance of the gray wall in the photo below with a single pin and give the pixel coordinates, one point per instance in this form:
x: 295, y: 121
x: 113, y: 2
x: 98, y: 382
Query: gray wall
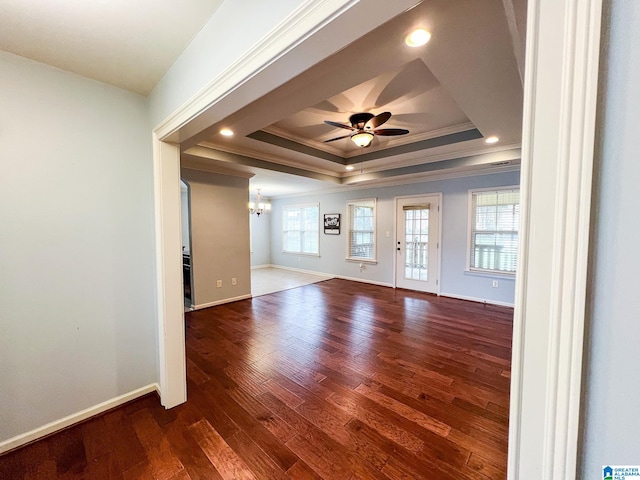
x: 611, y: 383
x: 219, y: 236
x: 77, y: 261
x: 454, y: 279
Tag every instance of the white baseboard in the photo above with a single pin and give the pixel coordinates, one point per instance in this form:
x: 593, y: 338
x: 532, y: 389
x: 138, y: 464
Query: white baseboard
x: 220, y: 302
x: 329, y: 275
x: 385, y: 284
x: 478, y: 300
x: 266, y: 265
x: 74, y: 418
x: 300, y: 270
x: 364, y: 280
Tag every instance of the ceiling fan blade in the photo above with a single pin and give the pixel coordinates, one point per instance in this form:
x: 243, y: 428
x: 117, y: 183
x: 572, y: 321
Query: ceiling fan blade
x: 379, y: 119
x: 388, y: 132
x: 339, y: 125
x: 337, y: 138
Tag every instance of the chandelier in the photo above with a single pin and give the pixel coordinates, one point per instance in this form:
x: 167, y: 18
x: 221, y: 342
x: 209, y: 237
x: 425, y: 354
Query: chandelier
x: 259, y: 206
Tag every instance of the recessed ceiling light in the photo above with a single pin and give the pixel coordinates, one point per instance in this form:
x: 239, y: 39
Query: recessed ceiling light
x: 417, y: 38
x: 227, y: 132
x: 492, y: 139
x: 348, y: 168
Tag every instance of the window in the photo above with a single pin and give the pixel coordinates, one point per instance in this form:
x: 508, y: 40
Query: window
x: 300, y: 229
x: 361, y: 238
x: 494, y: 229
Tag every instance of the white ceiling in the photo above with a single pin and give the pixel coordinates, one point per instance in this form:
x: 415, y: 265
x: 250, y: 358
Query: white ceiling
x: 464, y: 85
x: 129, y: 44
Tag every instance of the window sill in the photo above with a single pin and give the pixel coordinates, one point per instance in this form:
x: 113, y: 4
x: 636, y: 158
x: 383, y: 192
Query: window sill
x: 490, y: 274
x: 316, y: 255
x: 368, y: 261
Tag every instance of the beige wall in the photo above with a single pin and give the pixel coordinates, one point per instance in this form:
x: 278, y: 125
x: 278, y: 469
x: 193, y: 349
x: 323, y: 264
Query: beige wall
x: 219, y: 236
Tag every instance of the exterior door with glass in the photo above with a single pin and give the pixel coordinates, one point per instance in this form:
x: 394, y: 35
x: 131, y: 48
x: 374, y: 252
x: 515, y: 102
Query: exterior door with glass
x: 417, y: 242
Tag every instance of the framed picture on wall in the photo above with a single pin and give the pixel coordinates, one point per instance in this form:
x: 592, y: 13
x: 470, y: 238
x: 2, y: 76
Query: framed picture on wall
x: 332, y: 223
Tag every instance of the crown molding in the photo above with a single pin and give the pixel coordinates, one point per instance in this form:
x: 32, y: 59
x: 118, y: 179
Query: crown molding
x: 191, y: 162
x: 309, y: 17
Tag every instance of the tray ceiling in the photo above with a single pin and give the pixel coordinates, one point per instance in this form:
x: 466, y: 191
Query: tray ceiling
x: 451, y: 94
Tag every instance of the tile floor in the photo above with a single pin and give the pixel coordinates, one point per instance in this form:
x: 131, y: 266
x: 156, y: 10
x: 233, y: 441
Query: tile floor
x: 271, y: 280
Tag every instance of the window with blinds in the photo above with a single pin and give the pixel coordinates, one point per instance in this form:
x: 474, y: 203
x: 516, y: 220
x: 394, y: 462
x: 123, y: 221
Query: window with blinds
x: 301, y: 229
x: 361, y: 236
x: 494, y: 230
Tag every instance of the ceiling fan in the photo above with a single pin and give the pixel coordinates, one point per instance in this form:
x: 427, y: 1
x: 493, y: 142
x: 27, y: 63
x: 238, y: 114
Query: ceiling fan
x: 365, y: 127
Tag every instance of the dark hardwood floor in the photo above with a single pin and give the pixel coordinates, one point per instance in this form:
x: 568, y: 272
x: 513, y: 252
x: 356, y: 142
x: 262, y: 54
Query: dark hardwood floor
x: 335, y: 380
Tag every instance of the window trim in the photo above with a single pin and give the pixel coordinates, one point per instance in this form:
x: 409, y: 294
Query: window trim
x: 282, y: 230
x: 348, y: 257
x: 468, y: 267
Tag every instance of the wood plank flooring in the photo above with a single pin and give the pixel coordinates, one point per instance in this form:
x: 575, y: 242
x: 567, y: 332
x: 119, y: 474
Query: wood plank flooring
x: 335, y: 380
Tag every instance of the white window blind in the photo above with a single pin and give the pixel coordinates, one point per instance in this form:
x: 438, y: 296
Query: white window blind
x: 300, y: 229
x: 362, y: 230
x: 494, y: 230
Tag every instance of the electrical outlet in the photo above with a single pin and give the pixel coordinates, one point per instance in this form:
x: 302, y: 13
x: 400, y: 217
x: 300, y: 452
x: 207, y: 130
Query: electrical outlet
x: 495, y: 284
x: 219, y: 283
x: 234, y: 281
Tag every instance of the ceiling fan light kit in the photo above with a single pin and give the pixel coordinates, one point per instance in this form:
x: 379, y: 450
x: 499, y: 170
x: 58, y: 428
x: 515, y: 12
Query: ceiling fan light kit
x: 362, y: 139
x: 365, y: 127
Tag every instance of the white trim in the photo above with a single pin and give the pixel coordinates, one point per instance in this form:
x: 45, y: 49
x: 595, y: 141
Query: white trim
x: 301, y: 270
x: 396, y: 234
x: 74, y: 418
x: 370, y: 260
x: 330, y: 276
x: 172, y: 362
x: 406, y: 180
x: 198, y: 164
x: 308, y: 17
x: 477, y: 299
x: 300, y: 207
x: 220, y: 302
x: 328, y: 148
x: 266, y: 265
x: 490, y: 274
x: 557, y: 164
x: 470, y: 192
x: 493, y: 189
x: 364, y: 280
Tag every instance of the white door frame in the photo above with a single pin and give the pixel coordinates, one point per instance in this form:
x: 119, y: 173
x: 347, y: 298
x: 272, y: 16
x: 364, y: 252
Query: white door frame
x: 559, y: 120
x: 395, y: 242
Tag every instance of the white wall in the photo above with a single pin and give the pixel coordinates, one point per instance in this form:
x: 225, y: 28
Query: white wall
x: 232, y: 31
x: 611, y: 389
x: 454, y: 279
x: 77, y: 319
x: 219, y: 236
